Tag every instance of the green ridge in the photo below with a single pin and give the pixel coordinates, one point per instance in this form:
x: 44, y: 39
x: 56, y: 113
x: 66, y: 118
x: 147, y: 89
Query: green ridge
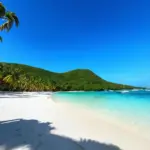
x: 18, y: 77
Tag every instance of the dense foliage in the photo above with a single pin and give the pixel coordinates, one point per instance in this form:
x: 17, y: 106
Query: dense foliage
x: 16, y: 77
x: 8, y: 18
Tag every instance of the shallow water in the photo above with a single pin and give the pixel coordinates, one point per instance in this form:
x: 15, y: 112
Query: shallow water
x: 129, y: 107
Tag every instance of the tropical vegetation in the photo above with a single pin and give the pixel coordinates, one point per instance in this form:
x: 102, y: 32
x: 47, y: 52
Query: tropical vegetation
x: 17, y: 77
x: 8, y: 19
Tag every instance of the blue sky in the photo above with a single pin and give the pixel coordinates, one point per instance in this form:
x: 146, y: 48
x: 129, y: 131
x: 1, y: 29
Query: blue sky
x: 112, y: 38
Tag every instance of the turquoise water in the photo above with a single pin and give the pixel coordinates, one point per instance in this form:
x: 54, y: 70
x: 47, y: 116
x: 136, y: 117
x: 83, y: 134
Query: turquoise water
x: 128, y: 106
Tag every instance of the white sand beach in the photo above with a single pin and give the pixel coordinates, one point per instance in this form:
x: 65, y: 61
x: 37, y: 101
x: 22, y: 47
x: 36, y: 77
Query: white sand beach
x: 32, y: 121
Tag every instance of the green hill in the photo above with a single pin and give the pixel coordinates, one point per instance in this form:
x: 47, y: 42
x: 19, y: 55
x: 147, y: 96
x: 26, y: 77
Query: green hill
x: 18, y: 77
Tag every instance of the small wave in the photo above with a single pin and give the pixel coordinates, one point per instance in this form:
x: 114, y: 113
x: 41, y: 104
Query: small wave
x: 135, y: 90
x: 124, y: 91
x: 110, y: 90
x: 148, y: 90
x: 74, y: 91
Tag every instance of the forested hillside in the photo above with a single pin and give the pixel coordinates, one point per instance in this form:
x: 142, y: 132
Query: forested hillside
x: 17, y: 77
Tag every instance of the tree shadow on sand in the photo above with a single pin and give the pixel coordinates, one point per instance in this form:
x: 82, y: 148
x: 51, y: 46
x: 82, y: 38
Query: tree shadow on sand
x: 35, y: 135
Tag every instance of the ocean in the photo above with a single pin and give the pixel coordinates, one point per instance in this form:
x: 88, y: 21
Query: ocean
x: 129, y: 107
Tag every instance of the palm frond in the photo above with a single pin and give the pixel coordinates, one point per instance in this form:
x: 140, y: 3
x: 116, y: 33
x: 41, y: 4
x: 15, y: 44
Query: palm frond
x: 16, y: 20
x: 8, y: 79
x: 3, y: 26
x: 6, y: 26
x: 8, y: 16
x: 1, y: 39
x: 2, y: 10
x: 11, y: 19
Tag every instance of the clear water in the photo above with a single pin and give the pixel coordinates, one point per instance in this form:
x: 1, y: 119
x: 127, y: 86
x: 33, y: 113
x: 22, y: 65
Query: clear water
x: 127, y: 106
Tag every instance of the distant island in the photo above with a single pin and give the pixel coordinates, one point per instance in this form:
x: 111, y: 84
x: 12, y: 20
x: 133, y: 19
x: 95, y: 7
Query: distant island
x: 18, y: 77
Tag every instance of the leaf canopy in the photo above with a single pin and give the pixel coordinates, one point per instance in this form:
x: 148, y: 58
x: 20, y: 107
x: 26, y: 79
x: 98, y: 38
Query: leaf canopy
x: 9, y: 18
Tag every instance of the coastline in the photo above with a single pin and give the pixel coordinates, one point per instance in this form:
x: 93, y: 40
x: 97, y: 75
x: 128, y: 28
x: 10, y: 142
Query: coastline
x: 128, y: 124
x: 100, y: 127
x: 70, y: 121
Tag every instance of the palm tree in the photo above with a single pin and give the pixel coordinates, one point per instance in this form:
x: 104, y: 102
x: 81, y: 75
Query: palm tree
x: 9, y: 18
x: 8, y: 79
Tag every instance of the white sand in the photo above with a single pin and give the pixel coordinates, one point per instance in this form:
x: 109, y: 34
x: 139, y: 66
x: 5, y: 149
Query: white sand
x: 24, y: 126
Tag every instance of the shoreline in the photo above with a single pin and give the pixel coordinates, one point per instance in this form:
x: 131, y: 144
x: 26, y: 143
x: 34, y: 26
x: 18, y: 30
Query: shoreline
x: 102, y: 129
x: 125, y: 124
x: 70, y: 121
x: 101, y: 90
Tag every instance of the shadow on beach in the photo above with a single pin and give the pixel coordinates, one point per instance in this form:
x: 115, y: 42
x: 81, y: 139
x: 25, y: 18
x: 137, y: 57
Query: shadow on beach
x: 35, y: 135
